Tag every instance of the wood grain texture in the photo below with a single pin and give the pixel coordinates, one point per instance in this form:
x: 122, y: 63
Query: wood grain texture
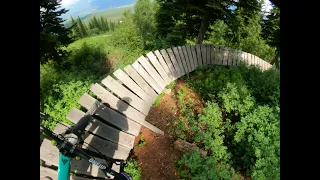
x: 126, y: 95
x: 103, y: 130
x: 153, y: 73
x: 183, y: 60
x: 199, y: 55
x: 174, y: 62
x: 156, y: 64
x: 168, y: 61
x: 194, y: 57
x: 110, y: 116
x: 141, y: 82
x: 126, y: 80
x: 208, y: 54
x: 164, y: 65
x: 204, y: 55
x: 117, y: 104
x: 187, y: 58
x: 178, y: 59
x: 146, y: 76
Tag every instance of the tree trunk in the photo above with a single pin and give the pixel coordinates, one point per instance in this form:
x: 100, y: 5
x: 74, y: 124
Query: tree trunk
x: 275, y: 61
x: 203, y: 28
x: 186, y: 147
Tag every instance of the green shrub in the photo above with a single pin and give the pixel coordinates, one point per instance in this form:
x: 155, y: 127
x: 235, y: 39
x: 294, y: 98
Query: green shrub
x: 133, y: 169
x: 239, y: 126
x: 89, y: 58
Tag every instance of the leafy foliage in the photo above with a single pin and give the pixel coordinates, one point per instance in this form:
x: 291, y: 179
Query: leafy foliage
x: 133, y: 169
x: 239, y: 126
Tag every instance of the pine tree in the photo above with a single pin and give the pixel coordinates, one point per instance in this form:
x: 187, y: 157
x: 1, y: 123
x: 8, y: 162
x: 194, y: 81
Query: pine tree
x: 53, y: 34
x: 111, y: 26
x: 75, y: 28
x: 103, y: 23
x: 83, y: 29
x: 107, y: 25
x: 95, y: 23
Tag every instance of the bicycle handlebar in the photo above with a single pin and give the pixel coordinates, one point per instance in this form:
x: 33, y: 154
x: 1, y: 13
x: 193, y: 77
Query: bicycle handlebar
x: 70, y: 150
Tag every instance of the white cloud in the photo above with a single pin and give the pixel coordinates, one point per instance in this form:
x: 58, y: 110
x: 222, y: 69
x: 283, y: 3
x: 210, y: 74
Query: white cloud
x: 66, y: 3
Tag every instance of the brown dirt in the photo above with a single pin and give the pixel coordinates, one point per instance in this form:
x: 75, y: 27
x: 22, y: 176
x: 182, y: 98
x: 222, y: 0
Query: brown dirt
x: 157, y: 157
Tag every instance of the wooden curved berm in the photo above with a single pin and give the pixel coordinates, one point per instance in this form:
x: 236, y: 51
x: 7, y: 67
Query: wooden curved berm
x: 125, y: 99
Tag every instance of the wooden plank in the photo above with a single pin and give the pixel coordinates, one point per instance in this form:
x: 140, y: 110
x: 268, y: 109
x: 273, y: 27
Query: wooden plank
x: 218, y: 55
x: 153, y: 73
x: 47, y: 173
x: 125, y: 79
x: 174, y: 62
x: 126, y: 95
x: 179, y: 61
x: 164, y: 66
x: 50, y: 154
x: 191, y: 60
x: 194, y: 57
x: 143, y: 73
x: 199, y: 55
x: 183, y: 60
x: 213, y: 53
x: 111, y: 116
x: 186, y: 57
x: 230, y: 56
x: 141, y: 82
x: 121, y: 140
x: 224, y: 55
x: 170, y: 64
x: 117, y: 104
x: 238, y: 57
x: 158, y: 67
x: 208, y: 53
x: 204, y: 55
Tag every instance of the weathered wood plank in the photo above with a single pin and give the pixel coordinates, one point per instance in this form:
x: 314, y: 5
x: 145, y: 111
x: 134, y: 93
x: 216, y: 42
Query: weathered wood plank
x: 164, y: 66
x: 186, y: 57
x: 179, y: 60
x: 213, y: 53
x: 117, y: 104
x: 218, y: 55
x: 141, y: 82
x: 126, y: 95
x: 194, y: 57
x: 225, y: 55
x: 170, y: 64
x: 243, y: 57
x: 50, y: 154
x: 158, y: 67
x: 109, y: 115
x: 204, y: 55
x: 183, y: 60
x: 230, y: 56
x: 174, y: 62
x: 208, y: 54
x: 189, y: 52
x: 143, y: 73
x: 153, y: 73
x: 122, y: 141
x: 125, y: 79
x: 199, y: 55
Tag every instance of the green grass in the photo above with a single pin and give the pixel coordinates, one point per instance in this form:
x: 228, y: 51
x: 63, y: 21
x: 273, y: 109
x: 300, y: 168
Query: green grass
x: 133, y: 169
x: 157, y: 101
x: 111, y: 14
x: 101, y: 40
x: 141, y: 142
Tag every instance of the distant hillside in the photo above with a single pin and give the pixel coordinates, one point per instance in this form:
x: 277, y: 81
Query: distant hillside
x: 114, y: 14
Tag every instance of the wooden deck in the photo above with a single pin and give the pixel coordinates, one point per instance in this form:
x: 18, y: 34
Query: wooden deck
x: 125, y: 98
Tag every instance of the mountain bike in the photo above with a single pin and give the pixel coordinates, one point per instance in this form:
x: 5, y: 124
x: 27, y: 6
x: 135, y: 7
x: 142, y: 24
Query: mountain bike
x: 69, y: 144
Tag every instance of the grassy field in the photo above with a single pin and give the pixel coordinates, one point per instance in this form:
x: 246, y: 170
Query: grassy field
x: 112, y: 14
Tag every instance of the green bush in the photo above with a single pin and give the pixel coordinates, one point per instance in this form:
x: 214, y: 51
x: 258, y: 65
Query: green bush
x: 133, y: 169
x: 239, y: 126
x: 87, y: 58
